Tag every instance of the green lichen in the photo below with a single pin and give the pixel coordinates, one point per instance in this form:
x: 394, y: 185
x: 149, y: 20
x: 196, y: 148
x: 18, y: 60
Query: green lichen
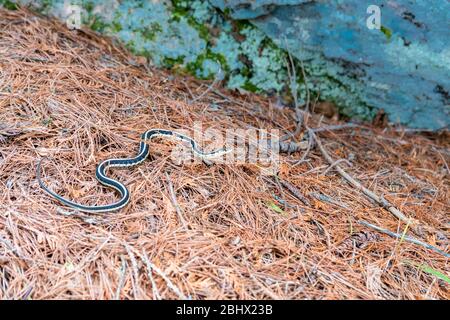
x: 150, y: 32
x: 249, y: 86
x: 173, y: 62
x: 184, y: 10
x: 114, y: 27
x: 387, y: 32
x: 98, y: 24
x: 9, y: 4
x: 205, y: 70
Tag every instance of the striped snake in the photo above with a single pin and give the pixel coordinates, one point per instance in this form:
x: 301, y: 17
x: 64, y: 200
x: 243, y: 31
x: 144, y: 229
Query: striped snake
x: 100, y: 172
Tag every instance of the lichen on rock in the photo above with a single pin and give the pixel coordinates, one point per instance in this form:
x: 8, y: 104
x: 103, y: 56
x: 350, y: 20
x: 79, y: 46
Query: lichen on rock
x: 399, y: 68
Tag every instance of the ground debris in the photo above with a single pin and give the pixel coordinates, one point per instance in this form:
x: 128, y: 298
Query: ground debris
x: 217, y: 231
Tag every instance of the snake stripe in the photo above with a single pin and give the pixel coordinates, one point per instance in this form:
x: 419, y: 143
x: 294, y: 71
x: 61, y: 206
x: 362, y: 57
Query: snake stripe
x: 100, y: 172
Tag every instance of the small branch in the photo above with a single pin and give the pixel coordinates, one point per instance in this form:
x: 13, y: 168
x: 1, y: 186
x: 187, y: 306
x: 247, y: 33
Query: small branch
x: 291, y: 146
x: 406, y: 238
x: 121, y: 279
x: 335, y: 127
x: 293, y: 85
x: 189, y: 90
x: 320, y: 129
x: 335, y: 164
x: 305, y: 80
x: 210, y: 87
x: 170, y: 284
x: 443, y: 159
x: 174, y: 201
x: 381, y: 201
x: 135, y: 268
x: 295, y: 192
x: 156, y: 294
x: 324, y: 197
x: 305, y: 154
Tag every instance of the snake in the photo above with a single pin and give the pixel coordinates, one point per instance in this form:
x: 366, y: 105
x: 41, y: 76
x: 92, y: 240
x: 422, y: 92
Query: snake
x: 144, y: 151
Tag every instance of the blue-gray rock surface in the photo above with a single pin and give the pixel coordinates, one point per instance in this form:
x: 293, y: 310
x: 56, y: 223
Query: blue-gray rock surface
x: 403, y: 67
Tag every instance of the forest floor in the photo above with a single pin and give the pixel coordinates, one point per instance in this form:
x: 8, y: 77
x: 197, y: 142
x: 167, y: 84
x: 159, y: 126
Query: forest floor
x: 196, y: 230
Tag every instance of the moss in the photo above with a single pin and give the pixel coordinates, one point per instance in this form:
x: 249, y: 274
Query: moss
x: 218, y: 57
x: 387, y: 32
x: 116, y: 27
x: 194, y: 67
x: 250, y: 87
x: 9, y: 4
x: 98, y: 24
x: 88, y: 6
x: 46, y: 5
x: 246, y: 72
x: 131, y: 46
x: 241, y: 25
x: 266, y: 63
x: 227, y: 13
x: 203, y: 31
x: 180, y: 11
x: 149, y: 32
x: 173, y: 62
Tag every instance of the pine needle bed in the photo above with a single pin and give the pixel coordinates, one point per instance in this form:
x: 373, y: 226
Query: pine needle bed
x: 222, y: 231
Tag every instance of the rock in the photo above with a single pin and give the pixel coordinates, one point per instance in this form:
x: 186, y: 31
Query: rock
x: 242, y: 9
x: 402, y: 68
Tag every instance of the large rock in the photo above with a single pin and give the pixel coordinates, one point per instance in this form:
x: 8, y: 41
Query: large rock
x: 403, y: 67
x: 244, y: 9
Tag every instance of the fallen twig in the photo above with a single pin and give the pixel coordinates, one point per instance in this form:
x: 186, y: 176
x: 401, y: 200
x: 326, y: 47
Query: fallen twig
x: 404, y: 237
x: 294, y: 91
x: 323, y: 197
x: 291, y: 146
x: 335, y: 164
x: 174, y: 201
x: 335, y: 127
x: 305, y: 154
x: 217, y: 78
x: 381, y: 201
x: 170, y: 284
x: 294, y: 191
x: 156, y: 294
x: 123, y: 272
x: 135, y: 268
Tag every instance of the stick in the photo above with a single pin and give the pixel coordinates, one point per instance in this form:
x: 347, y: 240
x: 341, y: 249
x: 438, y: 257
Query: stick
x: 210, y: 87
x: 156, y: 294
x: 305, y: 154
x: 295, y: 192
x: 170, y: 284
x: 335, y: 127
x: 173, y: 198
x: 335, y: 164
x: 291, y: 146
x: 121, y: 279
x: 292, y: 75
x: 381, y: 201
x: 135, y: 268
x: 404, y: 237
